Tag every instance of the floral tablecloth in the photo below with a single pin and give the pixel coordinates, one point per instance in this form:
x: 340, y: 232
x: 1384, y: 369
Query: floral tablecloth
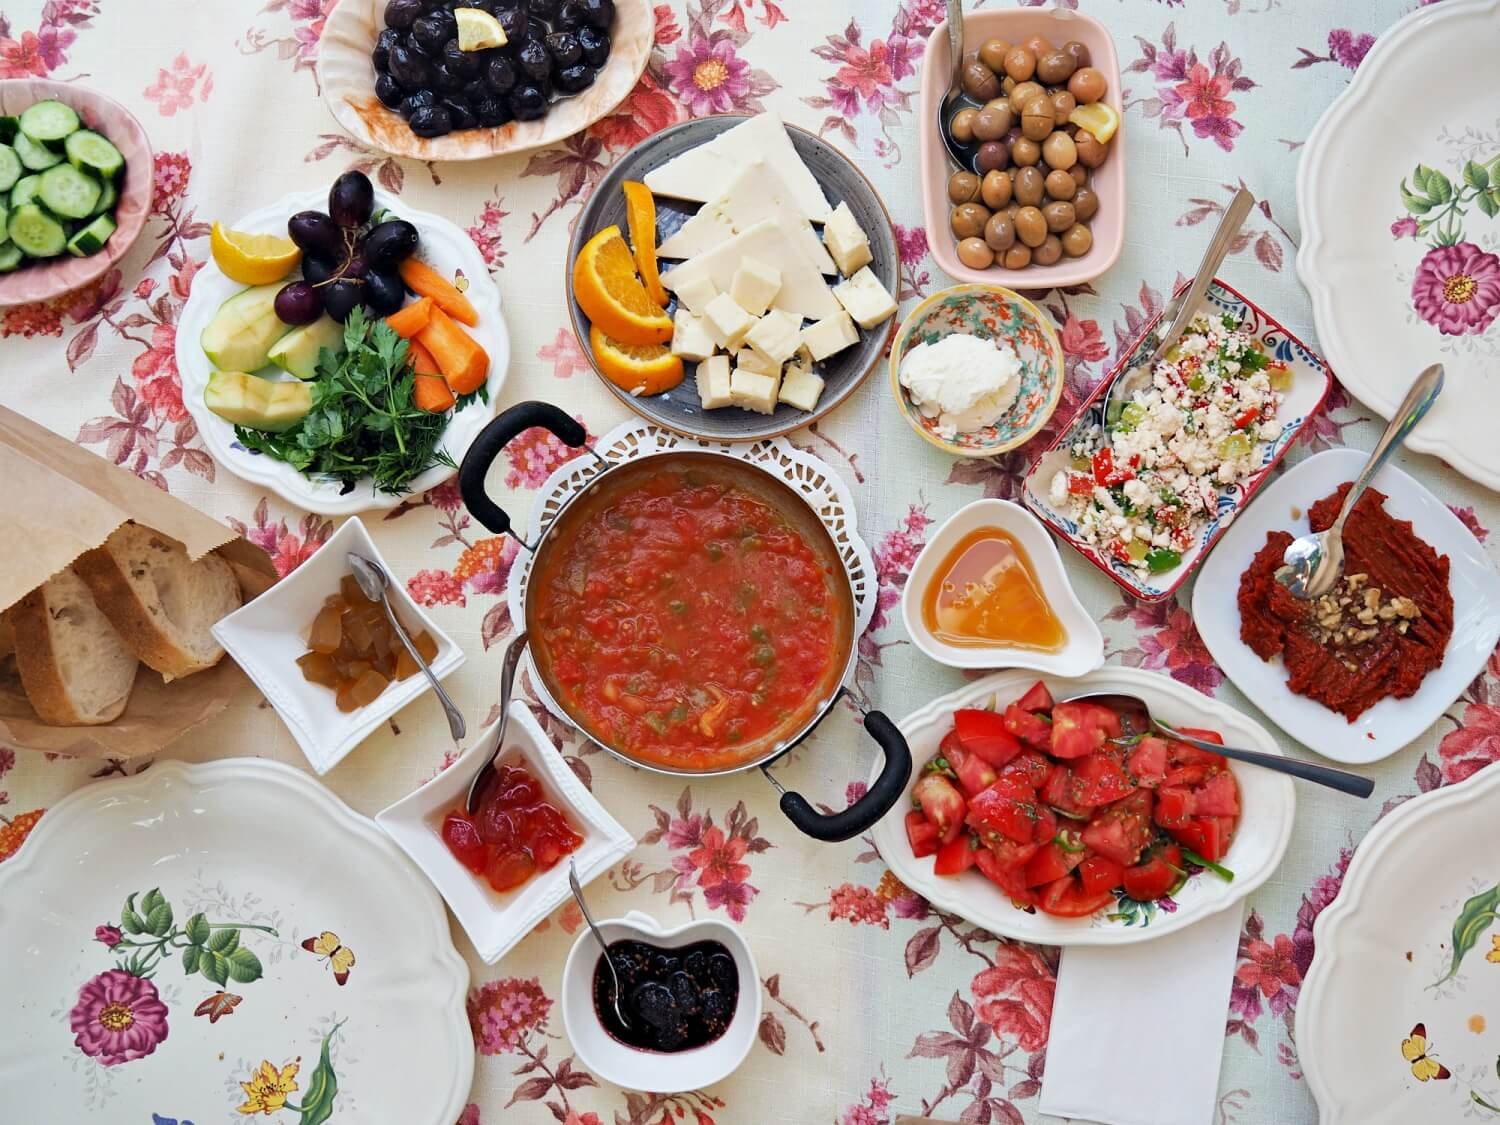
x: 874, y: 1003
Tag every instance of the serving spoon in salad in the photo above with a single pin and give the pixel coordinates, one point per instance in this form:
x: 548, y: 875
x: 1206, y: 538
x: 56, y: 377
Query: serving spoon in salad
x: 1136, y: 719
x: 1314, y: 562
x: 1180, y: 310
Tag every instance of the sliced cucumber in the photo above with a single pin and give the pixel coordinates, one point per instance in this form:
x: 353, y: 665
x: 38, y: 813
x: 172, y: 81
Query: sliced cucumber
x: 69, y: 193
x: 10, y: 257
x: 10, y: 168
x: 49, y: 121
x: 91, y: 239
x: 93, y: 153
x: 35, y: 155
x: 25, y: 190
x: 107, y: 198
x: 37, y: 233
x: 4, y: 223
x: 9, y: 126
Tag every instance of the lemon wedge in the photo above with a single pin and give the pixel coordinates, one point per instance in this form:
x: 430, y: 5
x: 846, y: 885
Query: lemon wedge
x: 252, y: 259
x: 1098, y: 118
x: 477, y: 29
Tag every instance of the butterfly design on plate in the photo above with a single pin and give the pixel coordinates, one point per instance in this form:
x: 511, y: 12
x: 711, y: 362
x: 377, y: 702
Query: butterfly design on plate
x: 331, y: 948
x: 1493, y: 956
x: 218, y: 1005
x: 1424, y: 1068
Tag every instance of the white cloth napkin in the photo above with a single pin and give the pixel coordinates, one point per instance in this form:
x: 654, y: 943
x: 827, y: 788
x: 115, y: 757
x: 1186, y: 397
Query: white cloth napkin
x: 1171, y: 998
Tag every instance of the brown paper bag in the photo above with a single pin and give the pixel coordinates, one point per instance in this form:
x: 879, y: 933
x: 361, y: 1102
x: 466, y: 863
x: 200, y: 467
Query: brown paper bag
x: 60, y: 500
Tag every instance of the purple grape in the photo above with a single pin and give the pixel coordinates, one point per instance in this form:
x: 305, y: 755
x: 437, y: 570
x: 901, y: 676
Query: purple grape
x: 298, y: 303
x: 316, y: 234
x: 351, y: 199
x: 340, y: 298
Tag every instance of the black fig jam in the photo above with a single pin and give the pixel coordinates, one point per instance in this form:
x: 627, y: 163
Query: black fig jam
x: 675, y: 999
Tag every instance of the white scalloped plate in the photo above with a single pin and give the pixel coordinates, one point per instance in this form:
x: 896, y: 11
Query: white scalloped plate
x: 1268, y: 806
x: 1358, y: 274
x: 1383, y: 948
x: 258, y: 844
x: 446, y: 248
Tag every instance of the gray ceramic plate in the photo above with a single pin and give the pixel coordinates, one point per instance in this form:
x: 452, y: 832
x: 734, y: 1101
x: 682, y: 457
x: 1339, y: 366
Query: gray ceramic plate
x: 679, y: 409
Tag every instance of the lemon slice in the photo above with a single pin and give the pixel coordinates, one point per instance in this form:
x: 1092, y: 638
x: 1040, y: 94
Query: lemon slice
x: 477, y: 29
x: 1098, y: 118
x: 252, y: 259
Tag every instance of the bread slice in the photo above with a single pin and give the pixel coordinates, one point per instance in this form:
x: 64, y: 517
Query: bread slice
x: 74, y: 665
x: 162, y: 603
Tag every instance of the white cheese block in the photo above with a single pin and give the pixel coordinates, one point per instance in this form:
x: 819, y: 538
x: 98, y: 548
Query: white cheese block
x: 846, y: 241
x: 803, y: 290
x: 706, y: 172
x: 702, y: 231
x: 753, y: 391
x: 713, y: 382
x: 757, y: 193
x: 755, y: 285
x: 728, y: 323
x: 801, y: 389
x: 696, y: 295
x: 776, y: 336
x: 691, y: 338
x: 832, y: 334
x: 865, y: 299
x: 749, y: 361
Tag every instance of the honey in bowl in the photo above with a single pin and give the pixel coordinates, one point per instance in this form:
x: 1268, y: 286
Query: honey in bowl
x: 986, y: 593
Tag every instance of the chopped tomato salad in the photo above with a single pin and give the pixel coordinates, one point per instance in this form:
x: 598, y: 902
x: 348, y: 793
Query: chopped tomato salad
x: 1065, y: 810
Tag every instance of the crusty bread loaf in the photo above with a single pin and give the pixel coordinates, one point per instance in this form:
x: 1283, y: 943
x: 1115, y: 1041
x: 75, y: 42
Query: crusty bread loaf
x: 76, y: 669
x: 7, y: 636
x: 162, y: 603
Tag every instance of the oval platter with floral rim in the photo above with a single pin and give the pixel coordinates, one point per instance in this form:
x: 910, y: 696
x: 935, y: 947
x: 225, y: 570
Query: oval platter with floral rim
x: 1398, y: 1020
x: 212, y: 943
x: 1400, y: 213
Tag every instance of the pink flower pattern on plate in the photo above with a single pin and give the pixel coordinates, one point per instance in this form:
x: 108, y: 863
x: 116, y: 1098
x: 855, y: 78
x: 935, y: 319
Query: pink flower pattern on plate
x: 1457, y: 289
x: 118, y: 1018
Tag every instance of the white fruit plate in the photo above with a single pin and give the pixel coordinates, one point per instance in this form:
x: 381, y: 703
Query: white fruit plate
x: 1267, y: 807
x: 444, y: 247
x: 170, y: 937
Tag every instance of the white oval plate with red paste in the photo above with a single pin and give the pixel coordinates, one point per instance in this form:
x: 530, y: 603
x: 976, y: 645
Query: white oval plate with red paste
x: 1392, y: 723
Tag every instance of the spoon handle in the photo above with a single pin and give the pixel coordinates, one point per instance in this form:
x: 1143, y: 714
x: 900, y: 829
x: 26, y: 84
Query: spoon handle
x: 456, y: 726
x: 956, y: 41
x: 1413, y: 409
x: 1342, y: 780
x: 1213, y: 258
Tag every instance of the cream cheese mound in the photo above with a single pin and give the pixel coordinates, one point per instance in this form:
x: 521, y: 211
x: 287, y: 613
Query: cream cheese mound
x: 963, y: 381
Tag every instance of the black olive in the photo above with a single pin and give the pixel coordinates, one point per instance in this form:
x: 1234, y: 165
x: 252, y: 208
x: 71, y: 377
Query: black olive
x: 463, y: 63
x: 473, y: 90
x: 534, y: 60
x: 401, y: 13
x: 500, y: 75
x: 389, y: 91
x: 317, y: 270
x: 340, y: 298
x: 444, y: 80
x: 536, y: 29
x: 421, y: 99
x: 431, y: 121
x: 598, y: 14
x: 459, y: 111
x: 513, y: 23
x: 570, y: 17
x: 380, y: 56
x: 595, y: 45
x: 409, y: 68
x: 389, y: 242
x: 430, y: 34
x: 574, y: 78
x: 383, y: 292
x: 545, y: 9
x: 491, y: 111
x: 565, y: 48
x: 498, y: 6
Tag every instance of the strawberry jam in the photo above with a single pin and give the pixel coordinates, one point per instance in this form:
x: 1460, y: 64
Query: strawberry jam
x: 515, y: 833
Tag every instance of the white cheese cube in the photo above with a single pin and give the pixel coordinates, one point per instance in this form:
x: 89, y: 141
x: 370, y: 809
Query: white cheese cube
x: 776, y: 336
x: 696, y: 293
x: 690, y: 337
x: 829, y: 335
x: 728, y: 322
x: 865, y: 299
x: 754, y: 391
x: 755, y: 286
x: 801, y: 388
x: 747, y: 360
x: 843, y: 238
x: 713, y: 382
x: 802, y: 360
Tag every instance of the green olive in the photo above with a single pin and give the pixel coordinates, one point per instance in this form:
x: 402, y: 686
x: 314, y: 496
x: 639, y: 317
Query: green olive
x: 992, y: 53
x: 1049, y: 253
x: 979, y: 81
x: 1000, y: 232
x: 1060, y: 151
x: 1020, y: 63
x: 1077, y: 240
x: 995, y: 189
x: 976, y: 254
x: 1058, y: 185
x: 963, y: 187
x: 968, y: 220
x: 1031, y: 227
x: 1029, y: 186
x: 1060, y: 215
x: 1018, y: 257
x: 961, y: 127
x: 1085, y: 204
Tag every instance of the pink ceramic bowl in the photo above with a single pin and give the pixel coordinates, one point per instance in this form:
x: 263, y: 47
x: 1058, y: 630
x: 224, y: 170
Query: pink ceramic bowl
x: 41, y: 281
x: 1014, y: 25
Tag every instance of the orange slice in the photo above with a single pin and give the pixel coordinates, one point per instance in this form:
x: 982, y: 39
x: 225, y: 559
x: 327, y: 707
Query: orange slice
x: 640, y: 211
x: 612, y: 296
x: 641, y: 369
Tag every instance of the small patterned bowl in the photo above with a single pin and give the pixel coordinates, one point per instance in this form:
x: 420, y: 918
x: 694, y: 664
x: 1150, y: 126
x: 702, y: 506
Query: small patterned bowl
x: 989, y: 312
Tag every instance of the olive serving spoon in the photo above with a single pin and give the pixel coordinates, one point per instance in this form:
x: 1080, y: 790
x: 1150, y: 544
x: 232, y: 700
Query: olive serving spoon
x: 1314, y: 562
x: 1136, y: 718
x: 373, y: 582
x: 962, y: 155
x: 1179, y: 311
x: 603, y: 945
x: 507, y: 678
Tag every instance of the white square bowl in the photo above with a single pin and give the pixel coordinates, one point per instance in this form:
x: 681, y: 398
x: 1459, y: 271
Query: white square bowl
x: 495, y: 922
x: 267, y: 635
x: 1391, y: 723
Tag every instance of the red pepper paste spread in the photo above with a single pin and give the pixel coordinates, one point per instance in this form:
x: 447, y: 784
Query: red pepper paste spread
x: 1382, y: 630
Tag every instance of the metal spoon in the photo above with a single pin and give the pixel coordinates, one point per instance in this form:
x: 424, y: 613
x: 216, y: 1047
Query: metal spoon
x: 507, y: 680
x: 1314, y: 562
x: 374, y: 581
x: 1136, y: 718
x: 962, y: 155
x: 603, y: 945
x: 1180, y: 311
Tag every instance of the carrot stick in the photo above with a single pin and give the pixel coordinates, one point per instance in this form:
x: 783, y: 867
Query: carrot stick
x: 463, y: 362
x: 425, y: 281
x: 421, y: 358
x: 407, y: 322
x: 432, y: 394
